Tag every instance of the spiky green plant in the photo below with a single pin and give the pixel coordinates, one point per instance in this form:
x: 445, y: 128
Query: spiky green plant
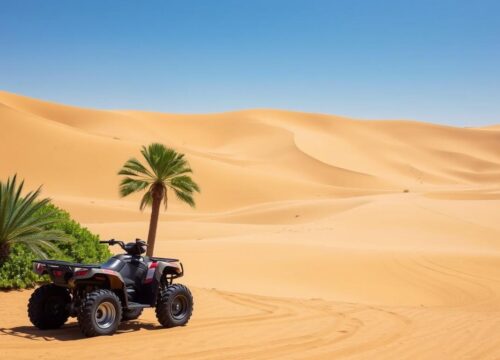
x: 165, y: 169
x: 21, y: 223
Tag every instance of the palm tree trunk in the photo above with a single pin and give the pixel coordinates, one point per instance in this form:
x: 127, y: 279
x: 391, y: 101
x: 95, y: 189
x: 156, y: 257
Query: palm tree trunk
x: 153, y: 223
x: 4, y: 252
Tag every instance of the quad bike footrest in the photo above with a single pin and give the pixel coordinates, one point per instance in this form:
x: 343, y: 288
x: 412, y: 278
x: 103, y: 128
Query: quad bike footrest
x: 134, y: 305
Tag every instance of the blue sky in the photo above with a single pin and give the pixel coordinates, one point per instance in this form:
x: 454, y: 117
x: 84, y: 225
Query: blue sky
x: 435, y: 61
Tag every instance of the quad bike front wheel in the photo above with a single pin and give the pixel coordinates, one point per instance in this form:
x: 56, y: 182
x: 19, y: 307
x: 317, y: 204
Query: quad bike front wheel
x: 174, y: 306
x: 48, y: 307
x: 100, y: 313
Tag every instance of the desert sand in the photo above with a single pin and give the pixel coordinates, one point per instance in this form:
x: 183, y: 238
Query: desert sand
x: 315, y: 236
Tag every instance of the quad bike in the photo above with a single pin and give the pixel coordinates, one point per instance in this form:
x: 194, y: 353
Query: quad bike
x: 101, y: 296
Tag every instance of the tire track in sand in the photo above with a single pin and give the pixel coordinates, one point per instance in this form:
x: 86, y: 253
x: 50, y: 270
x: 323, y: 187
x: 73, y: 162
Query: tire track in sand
x: 322, y: 329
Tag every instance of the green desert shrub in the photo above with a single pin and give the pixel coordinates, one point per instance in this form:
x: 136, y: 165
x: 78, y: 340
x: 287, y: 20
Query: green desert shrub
x: 16, y: 271
x: 83, y: 246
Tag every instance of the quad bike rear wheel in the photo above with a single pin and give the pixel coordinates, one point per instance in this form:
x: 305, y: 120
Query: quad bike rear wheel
x: 174, y: 306
x: 48, y: 307
x: 100, y: 313
x: 131, y: 314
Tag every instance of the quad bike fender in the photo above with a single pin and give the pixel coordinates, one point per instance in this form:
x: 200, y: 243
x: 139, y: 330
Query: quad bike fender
x: 114, y: 278
x: 163, y: 268
x: 110, y: 277
x: 158, y: 273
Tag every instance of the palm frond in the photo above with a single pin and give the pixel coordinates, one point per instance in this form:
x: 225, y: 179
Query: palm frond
x: 147, y: 200
x: 40, y: 245
x: 182, y: 171
x: 184, y: 183
x: 129, y: 185
x: 185, y: 197
x: 21, y: 222
x: 156, y: 155
x: 165, y: 197
x: 163, y: 166
x: 23, y: 215
x: 133, y: 167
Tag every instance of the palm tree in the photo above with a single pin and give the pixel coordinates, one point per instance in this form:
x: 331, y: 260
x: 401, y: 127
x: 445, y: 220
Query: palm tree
x: 165, y: 169
x: 22, y: 223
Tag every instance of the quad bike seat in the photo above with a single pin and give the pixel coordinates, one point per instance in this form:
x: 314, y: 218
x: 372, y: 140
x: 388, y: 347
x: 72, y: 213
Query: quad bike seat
x: 132, y: 268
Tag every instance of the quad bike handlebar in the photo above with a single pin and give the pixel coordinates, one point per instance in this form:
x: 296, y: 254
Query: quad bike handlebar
x: 127, y: 247
x: 113, y: 242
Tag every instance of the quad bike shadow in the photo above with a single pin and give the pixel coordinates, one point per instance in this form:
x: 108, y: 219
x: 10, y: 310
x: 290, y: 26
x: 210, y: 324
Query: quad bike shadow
x: 71, y: 331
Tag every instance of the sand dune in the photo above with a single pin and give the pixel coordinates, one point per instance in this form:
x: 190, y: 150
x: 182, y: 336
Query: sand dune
x: 315, y: 236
